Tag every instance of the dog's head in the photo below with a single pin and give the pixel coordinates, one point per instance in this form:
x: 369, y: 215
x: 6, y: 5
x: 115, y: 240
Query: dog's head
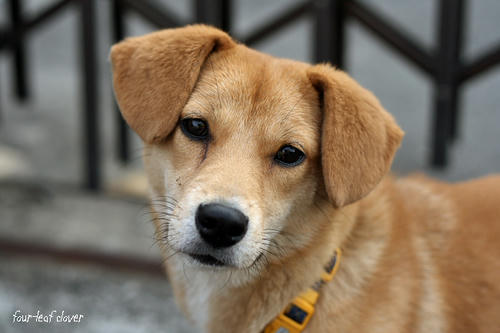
x: 244, y: 150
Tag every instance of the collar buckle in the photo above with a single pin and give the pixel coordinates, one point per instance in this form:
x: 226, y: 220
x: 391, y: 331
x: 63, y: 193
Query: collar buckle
x: 299, y: 312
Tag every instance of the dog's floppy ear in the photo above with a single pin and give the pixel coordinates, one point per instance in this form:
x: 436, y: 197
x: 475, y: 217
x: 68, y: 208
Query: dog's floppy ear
x: 154, y: 75
x: 359, y: 138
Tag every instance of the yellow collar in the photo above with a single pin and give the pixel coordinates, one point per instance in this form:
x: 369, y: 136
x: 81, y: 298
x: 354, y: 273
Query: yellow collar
x: 296, y: 315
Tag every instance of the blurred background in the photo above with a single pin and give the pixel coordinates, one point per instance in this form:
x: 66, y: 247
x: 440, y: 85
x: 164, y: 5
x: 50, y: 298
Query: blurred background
x: 75, y: 234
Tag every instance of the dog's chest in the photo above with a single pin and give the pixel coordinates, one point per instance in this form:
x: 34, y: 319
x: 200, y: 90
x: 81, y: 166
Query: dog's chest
x: 199, y: 292
x: 199, y: 295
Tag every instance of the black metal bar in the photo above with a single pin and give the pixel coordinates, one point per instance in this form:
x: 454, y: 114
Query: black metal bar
x: 390, y: 34
x: 481, y: 64
x: 11, y: 37
x: 202, y: 11
x: 89, y: 74
x: 5, y: 38
x: 73, y: 255
x: 275, y: 25
x: 19, y: 54
x: 152, y: 13
x: 226, y: 14
x: 214, y: 12
x: 446, y: 92
x: 329, y: 32
x: 118, y: 27
x: 456, y: 36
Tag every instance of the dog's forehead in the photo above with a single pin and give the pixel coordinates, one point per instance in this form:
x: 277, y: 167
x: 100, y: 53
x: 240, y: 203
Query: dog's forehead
x: 257, y: 77
x: 258, y: 88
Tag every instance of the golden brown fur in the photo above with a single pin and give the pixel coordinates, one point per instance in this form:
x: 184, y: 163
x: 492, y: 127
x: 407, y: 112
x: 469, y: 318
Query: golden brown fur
x: 419, y: 255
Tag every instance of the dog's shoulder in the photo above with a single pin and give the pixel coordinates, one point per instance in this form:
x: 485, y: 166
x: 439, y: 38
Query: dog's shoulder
x: 459, y: 226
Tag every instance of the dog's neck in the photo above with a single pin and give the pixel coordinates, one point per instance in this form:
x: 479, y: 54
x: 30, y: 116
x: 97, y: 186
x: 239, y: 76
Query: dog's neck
x: 215, y: 305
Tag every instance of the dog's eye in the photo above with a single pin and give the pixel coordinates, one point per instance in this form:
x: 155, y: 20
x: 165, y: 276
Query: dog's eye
x: 195, y: 128
x: 289, y: 156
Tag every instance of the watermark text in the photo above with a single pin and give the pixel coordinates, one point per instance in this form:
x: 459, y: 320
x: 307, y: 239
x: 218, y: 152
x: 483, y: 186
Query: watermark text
x: 51, y: 317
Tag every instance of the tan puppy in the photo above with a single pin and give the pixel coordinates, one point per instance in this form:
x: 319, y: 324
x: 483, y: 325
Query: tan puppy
x: 261, y: 167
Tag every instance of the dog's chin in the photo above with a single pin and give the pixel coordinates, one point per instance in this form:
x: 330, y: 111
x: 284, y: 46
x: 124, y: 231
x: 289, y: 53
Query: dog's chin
x: 231, y: 273
x: 213, y: 262
x: 207, y: 260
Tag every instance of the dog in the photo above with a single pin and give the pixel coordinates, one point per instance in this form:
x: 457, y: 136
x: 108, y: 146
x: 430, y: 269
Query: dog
x: 260, y: 168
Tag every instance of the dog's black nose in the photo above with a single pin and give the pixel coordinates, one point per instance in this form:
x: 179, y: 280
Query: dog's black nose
x: 220, y: 225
